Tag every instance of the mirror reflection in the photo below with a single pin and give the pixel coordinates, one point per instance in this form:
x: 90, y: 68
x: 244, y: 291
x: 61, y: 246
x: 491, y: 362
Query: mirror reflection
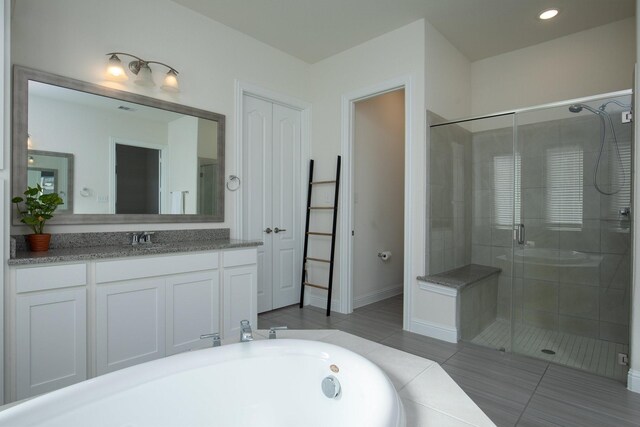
x: 54, y: 173
x: 129, y: 158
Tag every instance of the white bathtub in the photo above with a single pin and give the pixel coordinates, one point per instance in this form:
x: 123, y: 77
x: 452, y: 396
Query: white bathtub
x: 262, y: 383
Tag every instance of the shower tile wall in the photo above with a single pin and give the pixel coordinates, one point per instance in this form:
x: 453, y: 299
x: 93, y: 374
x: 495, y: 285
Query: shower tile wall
x: 450, y: 194
x: 576, y: 276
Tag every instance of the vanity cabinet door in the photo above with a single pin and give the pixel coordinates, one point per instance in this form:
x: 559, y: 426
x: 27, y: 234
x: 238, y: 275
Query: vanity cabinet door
x: 51, y: 340
x: 193, y: 309
x: 240, y: 298
x: 130, y: 320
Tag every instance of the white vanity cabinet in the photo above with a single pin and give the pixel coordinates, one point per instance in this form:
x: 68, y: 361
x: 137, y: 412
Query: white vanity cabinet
x: 76, y: 321
x: 240, y: 290
x: 130, y: 322
x: 154, y: 307
x: 50, y: 325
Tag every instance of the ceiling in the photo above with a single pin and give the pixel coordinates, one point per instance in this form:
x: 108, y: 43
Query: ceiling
x: 316, y: 29
x: 113, y: 105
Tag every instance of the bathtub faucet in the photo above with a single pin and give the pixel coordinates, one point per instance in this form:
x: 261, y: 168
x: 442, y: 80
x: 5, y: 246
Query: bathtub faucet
x: 246, y: 334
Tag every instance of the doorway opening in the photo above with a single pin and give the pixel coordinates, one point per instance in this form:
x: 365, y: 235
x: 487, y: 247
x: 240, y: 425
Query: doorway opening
x: 137, y: 179
x: 378, y: 202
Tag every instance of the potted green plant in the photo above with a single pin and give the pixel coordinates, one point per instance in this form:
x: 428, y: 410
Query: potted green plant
x: 36, y: 210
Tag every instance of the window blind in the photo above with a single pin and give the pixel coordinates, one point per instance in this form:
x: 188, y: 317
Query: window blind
x: 564, y: 186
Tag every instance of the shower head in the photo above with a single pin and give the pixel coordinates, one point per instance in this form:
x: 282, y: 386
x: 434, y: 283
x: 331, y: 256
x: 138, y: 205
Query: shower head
x: 576, y: 108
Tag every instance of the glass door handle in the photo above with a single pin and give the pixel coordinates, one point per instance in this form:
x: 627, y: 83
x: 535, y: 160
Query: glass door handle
x: 518, y: 233
x: 278, y: 230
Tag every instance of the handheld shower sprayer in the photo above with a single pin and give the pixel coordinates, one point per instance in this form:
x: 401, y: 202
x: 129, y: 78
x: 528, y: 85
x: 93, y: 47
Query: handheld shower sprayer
x: 602, y: 113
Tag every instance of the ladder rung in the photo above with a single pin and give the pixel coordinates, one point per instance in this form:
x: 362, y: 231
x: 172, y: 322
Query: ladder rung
x: 320, y: 207
x: 316, y: 233
x: 323, y: 182
x: 315, y: 286
x: 318, y: 259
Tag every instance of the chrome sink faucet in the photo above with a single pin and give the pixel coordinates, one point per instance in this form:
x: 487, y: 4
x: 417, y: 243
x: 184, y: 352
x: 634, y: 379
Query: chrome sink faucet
x: 246, y: 334
x: 141, y: 238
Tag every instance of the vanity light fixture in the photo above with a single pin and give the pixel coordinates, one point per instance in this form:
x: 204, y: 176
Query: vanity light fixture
x: 140, y: 68
x: 548, y: 14
x: 29, y: 141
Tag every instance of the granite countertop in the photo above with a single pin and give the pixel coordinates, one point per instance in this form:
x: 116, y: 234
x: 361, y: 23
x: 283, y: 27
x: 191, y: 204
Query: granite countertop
x: 458, y: 278
x: 90, y: 246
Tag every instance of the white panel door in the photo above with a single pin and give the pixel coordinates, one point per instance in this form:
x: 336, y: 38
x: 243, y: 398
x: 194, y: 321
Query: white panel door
x: 130, y: 320
x: 193, y: 302
x: 257, y: 199
x: 51, y: 341
x: 240, y: 290
x: 286, y: 238
x: 272, y: 143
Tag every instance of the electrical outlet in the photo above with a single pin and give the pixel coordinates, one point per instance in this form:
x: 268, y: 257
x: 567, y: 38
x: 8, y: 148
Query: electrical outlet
x: 623, y: 359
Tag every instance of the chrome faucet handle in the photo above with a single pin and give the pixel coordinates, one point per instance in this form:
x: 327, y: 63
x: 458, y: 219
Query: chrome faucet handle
x: 135, y: 238
x: 145, y: 236
x: 246, y: 334
x: 273, y: 329
x: 215, y: 336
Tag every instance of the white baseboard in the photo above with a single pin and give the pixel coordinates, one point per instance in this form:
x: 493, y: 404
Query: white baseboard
x: 320, y: 301
x: 378, y: 295
x: 633, y: 381
x: 434, y: 330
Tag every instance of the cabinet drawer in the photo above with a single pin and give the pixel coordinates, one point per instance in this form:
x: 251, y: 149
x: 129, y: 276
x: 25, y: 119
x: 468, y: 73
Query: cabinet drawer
x: 241, y: 257
x: 50, y: 277
x: 138, y: 268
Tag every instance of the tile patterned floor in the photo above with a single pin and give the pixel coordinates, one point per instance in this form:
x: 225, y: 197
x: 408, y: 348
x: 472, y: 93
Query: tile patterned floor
x: 511, y: 389
x: 589, y: 354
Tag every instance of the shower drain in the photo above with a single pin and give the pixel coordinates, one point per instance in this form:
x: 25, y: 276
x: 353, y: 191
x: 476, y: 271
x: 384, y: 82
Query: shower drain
x: 547, y: 351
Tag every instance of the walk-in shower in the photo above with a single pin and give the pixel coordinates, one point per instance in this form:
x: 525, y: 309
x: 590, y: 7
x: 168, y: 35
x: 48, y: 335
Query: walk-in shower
x: 539, y: 198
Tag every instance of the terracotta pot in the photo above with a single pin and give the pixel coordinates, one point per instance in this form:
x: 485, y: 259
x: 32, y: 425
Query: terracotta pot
x: 38, y: 242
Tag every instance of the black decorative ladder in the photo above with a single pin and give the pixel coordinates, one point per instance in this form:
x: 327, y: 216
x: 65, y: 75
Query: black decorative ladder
x: 308, y: 233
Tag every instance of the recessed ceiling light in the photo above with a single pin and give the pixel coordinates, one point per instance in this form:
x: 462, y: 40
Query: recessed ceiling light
x: 548, y: 14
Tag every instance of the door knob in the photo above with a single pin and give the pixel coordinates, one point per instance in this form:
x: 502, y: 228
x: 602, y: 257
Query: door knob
x: 268, y: 230
x: 277, y: 230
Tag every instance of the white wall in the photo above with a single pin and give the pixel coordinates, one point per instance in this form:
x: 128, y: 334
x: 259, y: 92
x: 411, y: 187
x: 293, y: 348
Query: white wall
x: 447, y: 77
x: 378, y: 197
x: 633, y: 382
x: 183, y: 163
x: 396, y: 54
x: 87, y: 136
x: 207, y: 139
x: 595, y: 61
x: 71, y: 38
x: 448, y: 94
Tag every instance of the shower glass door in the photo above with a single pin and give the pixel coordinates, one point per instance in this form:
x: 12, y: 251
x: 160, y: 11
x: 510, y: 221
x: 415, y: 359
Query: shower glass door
x: 471, y: 186
x: 571, y: 258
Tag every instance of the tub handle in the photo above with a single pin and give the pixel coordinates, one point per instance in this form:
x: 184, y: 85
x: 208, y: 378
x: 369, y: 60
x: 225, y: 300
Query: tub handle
x: 273, y: 329
x: 215, y: 336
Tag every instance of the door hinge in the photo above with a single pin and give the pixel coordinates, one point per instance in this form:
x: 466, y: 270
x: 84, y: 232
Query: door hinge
x: 353, y: 233
x: 627, y: 116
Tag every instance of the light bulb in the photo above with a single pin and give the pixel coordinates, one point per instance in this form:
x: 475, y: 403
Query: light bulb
x: 144, y: 76
x: 115, y: 71
x: 548, y: 14
x: 170, y: 83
